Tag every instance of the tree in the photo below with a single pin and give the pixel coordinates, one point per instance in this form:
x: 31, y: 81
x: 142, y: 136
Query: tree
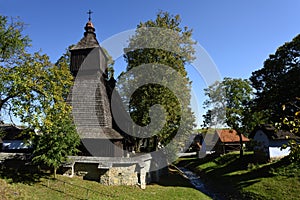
x: 277, y: 90
x: 34, y: 90
x: 277, y: 83
x: 228, y: 104
x: 58, y: 138
x: 13, y: 42
x: 176, y: 49
x: 31, y: 87
x: 30, y: 84
x: 294, y: 126
x: 57, y: 141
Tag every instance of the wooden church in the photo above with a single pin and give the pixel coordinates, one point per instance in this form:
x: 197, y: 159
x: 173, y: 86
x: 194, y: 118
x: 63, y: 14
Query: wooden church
x: 105, y: 147
x: 90, y: 98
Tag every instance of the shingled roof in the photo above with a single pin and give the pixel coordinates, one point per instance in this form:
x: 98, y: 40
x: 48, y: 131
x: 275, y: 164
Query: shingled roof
x: 91, y: 110
x: 99, y: 133
x: 89, y: 40
x: 227, y: 135
x: 89, y: 96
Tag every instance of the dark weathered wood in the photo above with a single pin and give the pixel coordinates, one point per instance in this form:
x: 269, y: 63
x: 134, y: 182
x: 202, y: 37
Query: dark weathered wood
x: 90, y: 97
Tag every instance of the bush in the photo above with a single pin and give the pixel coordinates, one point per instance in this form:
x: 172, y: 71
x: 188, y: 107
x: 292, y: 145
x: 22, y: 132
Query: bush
x: 294, y: 150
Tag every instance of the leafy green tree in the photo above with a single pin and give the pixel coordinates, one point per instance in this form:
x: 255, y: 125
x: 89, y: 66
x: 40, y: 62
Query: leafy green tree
x: 277, y: 90
x: 30, y: 84
x: 58, y: 138
x: 216, y: 105
x: 176, y: 51
x: 277, y: 83
x: 57, y: 141
x: 13, y: 42
x: 228, y: 104
x: 294, y: 126
x: 34, y: 90
x: 31, y: 87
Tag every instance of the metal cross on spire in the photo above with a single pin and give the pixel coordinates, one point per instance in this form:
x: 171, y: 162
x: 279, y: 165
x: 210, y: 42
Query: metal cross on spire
x: 90, y: 13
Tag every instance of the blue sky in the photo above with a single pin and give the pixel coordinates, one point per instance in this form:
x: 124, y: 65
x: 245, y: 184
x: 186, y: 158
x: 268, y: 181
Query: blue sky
x: 238, y: 34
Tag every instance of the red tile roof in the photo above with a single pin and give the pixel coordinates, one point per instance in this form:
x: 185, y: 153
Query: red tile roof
x: 227, y: 135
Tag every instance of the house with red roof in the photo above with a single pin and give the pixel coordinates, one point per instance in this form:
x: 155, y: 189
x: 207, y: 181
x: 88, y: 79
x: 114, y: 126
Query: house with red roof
x: 222, y: 141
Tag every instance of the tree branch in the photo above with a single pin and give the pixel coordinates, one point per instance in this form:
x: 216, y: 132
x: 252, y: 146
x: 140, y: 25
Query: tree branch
x: 3, y: 101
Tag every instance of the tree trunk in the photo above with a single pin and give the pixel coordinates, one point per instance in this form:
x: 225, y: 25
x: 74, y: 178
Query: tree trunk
x: 3, y: 101
x: 241, y: 145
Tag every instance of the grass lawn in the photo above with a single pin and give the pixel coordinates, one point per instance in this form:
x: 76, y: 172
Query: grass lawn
x: 243, y: 179
x: 172, y: 186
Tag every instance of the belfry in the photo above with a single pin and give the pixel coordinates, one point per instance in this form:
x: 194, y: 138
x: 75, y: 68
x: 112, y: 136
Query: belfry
x: 90, y: 97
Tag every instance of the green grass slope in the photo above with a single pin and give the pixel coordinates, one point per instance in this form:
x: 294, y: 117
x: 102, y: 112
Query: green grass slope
x: 237, y: 178
x: 171, y: 186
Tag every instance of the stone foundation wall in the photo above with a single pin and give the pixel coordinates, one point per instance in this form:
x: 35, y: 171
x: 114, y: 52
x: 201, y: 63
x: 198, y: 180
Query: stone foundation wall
x: 120, y: 175
x: 116, y: 171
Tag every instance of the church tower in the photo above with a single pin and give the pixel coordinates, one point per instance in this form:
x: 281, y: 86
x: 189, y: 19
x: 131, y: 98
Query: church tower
x: 90, y: 97
x: 80, y: 51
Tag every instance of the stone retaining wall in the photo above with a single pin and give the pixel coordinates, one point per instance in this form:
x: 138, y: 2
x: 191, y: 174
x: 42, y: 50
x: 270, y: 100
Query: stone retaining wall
x: 120, y: 175
x: 114, y: 171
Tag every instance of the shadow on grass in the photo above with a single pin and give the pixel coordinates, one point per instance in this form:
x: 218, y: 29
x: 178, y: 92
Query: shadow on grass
x: 63, y: 193
x: 174, y: 179
x: 229, y: 174
x: 233, y: 171
x: 15, y: 170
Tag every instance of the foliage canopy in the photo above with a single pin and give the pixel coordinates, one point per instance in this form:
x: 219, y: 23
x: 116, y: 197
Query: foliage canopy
x: 277, y: 83
x: 34, y: 90
x: 159, y: 44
